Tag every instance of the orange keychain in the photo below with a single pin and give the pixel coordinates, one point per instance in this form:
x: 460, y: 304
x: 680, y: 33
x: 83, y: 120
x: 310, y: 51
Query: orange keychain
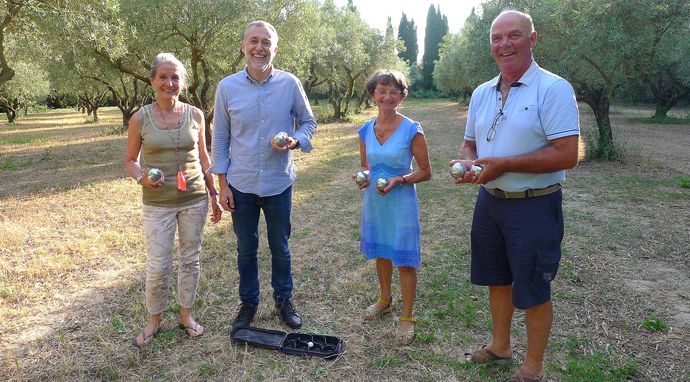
x: 181, y: 181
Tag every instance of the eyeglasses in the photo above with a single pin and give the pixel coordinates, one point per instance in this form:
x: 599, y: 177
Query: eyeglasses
x: 492, y: 130
x: 391, y: 93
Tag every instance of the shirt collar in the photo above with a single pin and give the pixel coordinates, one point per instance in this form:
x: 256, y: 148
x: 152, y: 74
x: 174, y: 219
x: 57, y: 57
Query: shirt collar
x: 526, y: 79
x: 255, y: 82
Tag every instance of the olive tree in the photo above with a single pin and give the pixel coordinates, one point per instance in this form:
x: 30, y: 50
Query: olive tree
x: 29, y: 85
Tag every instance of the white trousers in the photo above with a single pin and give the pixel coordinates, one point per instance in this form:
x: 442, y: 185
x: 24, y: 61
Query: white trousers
x: 160, y: 224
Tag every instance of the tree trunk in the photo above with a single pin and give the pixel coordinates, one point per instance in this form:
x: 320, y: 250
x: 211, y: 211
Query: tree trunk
x: 126, y: 116
x: 11, y: 114
x: 95, y: 114
x: 667, y: 90
x: 26, y: 110
x: 361, y: 97
x: 605, y: 148
x: 661, y: 110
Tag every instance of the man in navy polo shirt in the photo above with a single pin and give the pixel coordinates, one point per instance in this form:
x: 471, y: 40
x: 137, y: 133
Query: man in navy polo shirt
x: 523, y: 130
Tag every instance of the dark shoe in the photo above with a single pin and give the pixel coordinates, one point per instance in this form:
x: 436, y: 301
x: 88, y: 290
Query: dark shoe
x: 245, y: 315
x: 290, y: 316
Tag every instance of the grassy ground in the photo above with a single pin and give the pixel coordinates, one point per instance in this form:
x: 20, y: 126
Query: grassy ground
x: 72, y: 265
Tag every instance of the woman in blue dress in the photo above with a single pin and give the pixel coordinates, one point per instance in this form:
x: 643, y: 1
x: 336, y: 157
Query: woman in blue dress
x: 390, y: 215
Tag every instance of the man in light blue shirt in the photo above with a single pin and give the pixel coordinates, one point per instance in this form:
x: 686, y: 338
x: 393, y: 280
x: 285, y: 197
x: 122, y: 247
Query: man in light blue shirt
x: 254, y: 173
x: 523, y: 130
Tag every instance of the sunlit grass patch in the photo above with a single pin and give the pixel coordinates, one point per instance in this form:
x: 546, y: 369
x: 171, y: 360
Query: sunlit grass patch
x: 72, y: 269
x: 22, y: 140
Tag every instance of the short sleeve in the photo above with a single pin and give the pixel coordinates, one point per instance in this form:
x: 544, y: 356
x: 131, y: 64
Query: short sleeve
x: 559, y: 115
x: 364, y: 130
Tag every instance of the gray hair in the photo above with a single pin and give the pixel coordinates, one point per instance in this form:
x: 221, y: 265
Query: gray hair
x: 162, y: 58
x: 260, y: 23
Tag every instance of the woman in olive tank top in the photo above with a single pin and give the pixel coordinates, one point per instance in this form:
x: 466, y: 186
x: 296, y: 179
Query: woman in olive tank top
x: 166, y: 154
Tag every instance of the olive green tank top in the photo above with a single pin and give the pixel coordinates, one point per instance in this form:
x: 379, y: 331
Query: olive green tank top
x: 158, y: 151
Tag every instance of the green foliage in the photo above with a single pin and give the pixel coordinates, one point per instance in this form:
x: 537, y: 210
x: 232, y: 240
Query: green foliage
x: 436, y: 28
x: 28, y: 86
x: 598, y: 366
x: 117, y: 323
x: 7, y: 164
x: 425, y: 93
x: 570, y: 272
x: 465, y: 58
x: 407, y: 32
x: 683, y: 181
x: 21, y: 140
x: 348, y: 52
x: 597, y: 149
x: 655, y: 324
x: 207, y: 370
x: 575, y: 41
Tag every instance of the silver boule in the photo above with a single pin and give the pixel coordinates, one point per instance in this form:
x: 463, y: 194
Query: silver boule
x: 280, y: 139
x: 310, y: 344
x: 381, y: 184
x: 154, y: 174
x: 361, y: 177
x: 477, y: 170
x: 457, y: 170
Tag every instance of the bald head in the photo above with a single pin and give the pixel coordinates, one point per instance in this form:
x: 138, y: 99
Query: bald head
x: 512, y: 40
x: 524, y: 19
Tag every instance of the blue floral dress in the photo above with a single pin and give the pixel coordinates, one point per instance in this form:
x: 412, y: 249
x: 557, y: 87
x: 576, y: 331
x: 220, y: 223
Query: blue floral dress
x: 390, y: 223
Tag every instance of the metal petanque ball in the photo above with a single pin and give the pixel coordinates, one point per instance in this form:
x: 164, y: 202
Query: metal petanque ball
x: 361, y: 177
x: 310, y: 344
x: 457, y: 170
x: 154, y: 174
x: 381, y: 184
x: 476, y: 170
x: 280, y: 139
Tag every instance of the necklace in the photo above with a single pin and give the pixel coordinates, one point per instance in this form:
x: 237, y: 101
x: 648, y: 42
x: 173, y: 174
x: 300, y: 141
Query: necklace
x: 181, y: 181
x: 380, y: 130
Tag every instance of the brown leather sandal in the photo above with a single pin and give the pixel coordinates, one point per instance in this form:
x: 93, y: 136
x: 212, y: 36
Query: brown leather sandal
x: 485, y: 355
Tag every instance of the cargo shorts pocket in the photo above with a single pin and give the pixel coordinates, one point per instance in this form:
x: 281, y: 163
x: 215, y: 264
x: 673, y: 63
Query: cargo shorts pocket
x: 546, y: 267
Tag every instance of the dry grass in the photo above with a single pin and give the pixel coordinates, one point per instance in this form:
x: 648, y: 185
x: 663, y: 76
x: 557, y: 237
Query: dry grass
x: 72, y: 262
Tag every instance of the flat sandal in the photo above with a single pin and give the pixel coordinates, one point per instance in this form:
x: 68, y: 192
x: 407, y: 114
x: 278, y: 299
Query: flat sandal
x: 406, y: 337
x: 372, y: 312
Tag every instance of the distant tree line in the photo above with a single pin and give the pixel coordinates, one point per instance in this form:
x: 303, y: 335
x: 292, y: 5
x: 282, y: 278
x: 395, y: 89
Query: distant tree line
x: 606, y: 49
x: 92, y: 52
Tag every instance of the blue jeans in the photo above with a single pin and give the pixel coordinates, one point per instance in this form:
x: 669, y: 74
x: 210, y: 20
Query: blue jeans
x: 245, y: 221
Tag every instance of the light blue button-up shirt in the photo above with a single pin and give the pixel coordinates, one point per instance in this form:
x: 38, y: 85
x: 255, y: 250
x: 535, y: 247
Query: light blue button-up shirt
x: 541, y: 109
x: 246, y: 116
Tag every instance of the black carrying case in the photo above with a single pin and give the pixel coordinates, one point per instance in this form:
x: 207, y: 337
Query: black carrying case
x: 312, y: 345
